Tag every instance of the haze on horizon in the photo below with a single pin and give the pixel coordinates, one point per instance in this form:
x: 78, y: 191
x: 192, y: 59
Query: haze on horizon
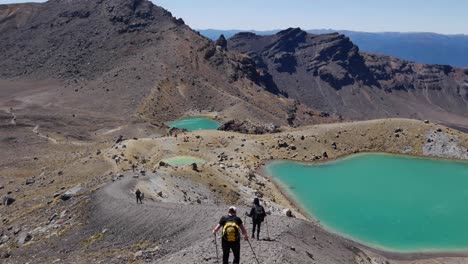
x: 445, y: 17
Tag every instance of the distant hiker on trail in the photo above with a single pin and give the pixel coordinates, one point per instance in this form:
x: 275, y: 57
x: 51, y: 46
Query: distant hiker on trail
x: 139, y: 196
x: 232, y: 228
x: 134, y: 167
x: 258, y: 216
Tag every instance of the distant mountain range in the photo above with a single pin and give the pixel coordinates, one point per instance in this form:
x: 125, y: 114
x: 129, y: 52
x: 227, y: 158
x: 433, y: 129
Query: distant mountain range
x: 429, y: 48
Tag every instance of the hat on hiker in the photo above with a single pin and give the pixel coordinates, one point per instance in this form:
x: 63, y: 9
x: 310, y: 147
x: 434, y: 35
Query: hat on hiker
x: 256, y: 201
x: 232, y: 210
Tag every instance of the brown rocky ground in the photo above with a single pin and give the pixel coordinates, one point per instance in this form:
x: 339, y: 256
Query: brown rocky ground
x: 101, y: 223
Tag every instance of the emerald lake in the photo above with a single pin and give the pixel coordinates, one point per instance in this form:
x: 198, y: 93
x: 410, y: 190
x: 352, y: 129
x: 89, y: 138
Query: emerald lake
x: 195, y: 123
x: 389, y: 202
x: 182, y: 160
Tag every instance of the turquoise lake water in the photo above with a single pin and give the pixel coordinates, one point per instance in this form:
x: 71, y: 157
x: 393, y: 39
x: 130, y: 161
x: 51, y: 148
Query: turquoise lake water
x: 195, y: 123
x: 182, y: 160
x: 394, y: 203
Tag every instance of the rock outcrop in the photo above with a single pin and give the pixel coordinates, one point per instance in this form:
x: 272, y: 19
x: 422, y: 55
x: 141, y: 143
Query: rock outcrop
x: 246, y: 127
x: 329, y: 73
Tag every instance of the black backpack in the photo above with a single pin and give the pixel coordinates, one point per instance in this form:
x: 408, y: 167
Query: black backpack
x: 259, y: 213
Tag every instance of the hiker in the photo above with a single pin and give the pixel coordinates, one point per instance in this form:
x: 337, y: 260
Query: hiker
x: 134, y: 166
x: 258, y: 216
x: 232, y: 228
x: 139, y: 196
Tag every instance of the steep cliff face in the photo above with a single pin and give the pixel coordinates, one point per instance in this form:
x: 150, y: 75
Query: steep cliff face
x: 329, y: 73
x: 133, y: 58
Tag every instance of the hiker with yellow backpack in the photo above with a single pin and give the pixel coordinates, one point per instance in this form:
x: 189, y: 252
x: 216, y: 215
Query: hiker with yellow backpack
x: 232, y: 227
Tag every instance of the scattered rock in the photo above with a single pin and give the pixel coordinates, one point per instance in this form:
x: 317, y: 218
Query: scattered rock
x: 325, y: 155
x: 259, y: 194
x: 63, y: 213
x: 52, y: 218
x: 398, y: 130
x: 16, y: 231
x: 119, y: 139
x: 24, y: 238
x: 426, y: 121
x: 334, y: 145
x: 4, y: 239
x: 30, y: 181
x: 176, y: 131
x: 65, y: 197
x: 138, y: 254
x: 282, y: 144
x: 70, y: 193
x: 6, y: 255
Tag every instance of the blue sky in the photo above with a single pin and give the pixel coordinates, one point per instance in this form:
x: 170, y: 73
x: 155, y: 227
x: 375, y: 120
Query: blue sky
x: 441, y: 16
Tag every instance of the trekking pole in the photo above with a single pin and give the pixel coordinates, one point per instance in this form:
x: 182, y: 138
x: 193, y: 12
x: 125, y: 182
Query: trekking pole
x: 268, y: 230
x: 216, y: 245
x: 255, y: 256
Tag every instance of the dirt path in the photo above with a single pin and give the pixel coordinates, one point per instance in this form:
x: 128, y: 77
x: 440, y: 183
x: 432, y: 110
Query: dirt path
x: 182, y: 233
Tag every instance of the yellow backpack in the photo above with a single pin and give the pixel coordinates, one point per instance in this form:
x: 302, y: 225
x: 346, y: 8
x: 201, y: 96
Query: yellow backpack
x: 231, y: 232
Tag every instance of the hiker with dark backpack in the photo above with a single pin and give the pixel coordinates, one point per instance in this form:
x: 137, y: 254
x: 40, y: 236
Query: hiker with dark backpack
x: 258, y: 216
x: 232, y: 227
x: 139, y: 196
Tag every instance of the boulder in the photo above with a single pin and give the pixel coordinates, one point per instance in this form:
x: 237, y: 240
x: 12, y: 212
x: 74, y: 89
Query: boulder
x: 287, y: 212
x: 7, y: 200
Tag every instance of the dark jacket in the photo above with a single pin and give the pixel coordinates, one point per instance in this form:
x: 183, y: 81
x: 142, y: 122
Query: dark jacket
x: 257, y: 212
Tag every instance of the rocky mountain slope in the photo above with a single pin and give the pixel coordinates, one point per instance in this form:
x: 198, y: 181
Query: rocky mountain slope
x: 130, y: 59
x: 329, y: 73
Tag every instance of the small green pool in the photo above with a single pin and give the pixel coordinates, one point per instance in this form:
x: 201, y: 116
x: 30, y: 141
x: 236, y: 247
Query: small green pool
x: 195, y: 123
x: 395, y: 203
x: 183, y: 160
